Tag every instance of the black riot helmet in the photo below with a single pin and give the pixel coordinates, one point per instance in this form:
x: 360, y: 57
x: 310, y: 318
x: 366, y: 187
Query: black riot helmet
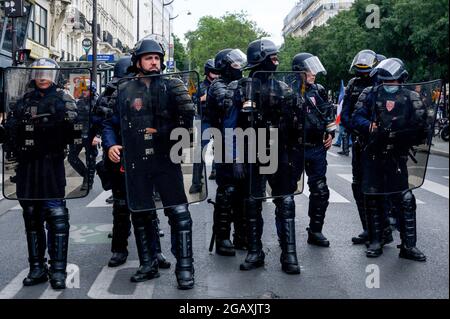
x: 229, y: 63
x: 146, y: 46
x: 380, y: 57
x: 121, y: 69
x: 259, y: 51
x: 364, y: 62
x: 306, y: 62
x: 390, y: 70
x: 210, y: 67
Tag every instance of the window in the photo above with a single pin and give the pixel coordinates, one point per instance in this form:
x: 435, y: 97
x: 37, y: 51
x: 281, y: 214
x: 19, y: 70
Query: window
x: 38, y: 25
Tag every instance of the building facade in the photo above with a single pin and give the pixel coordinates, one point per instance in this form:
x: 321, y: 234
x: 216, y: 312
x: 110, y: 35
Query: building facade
x: 155, y: 21
x: 308, y: 14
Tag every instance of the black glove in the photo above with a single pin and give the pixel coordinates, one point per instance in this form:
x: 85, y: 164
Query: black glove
x: 239, y: 171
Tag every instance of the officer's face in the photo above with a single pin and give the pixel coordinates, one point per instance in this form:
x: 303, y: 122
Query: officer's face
x: 150, y: 63
x: 43, y: 84
x: 212, y: 76
x: 310, y: 78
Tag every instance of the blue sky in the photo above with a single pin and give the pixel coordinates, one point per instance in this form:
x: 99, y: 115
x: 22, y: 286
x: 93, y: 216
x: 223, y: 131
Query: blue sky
x: 268, y: 14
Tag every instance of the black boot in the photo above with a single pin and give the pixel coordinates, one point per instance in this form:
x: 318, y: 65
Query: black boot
x: 197, y: 172
x: 181, y: 223
x: 255, y: 256
x: 374, y: 211
x: 120, y: 234
x: 286, y: 218
x: 408, y: 230
x: 162, y: 261
x: 36, y: 241
x: 318, y: 204
x: 145, y: 235
x: 222, y: 221
x: 117, y: 259
x: 58, y: 220
x: 359, y: 198
x: 240, y: 241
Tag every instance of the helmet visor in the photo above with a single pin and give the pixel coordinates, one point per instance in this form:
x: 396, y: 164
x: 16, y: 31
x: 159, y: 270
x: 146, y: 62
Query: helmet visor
x: 314, y: 66
x: 364, y: 60
x: 237, y: 59
x: 43, y: 73
x: 388, y: 66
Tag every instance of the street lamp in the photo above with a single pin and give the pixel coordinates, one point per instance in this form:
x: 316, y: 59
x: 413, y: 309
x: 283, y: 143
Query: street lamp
x: 163, y: 8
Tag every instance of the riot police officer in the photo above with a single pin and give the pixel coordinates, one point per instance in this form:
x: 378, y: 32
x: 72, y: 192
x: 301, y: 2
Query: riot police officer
x: 210, y: 75
x: 85, y: 106
x: 362, y: 65
x: 121, y: 213
x: 383, y: 114
x: 319, y: 132
x: 230, y: 191
x: 274, y: 108
x: 40, y: 172
x: 148, y: 59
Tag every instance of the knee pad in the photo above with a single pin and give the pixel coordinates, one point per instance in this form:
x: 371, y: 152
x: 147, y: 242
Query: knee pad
x: 58, y: 219
x: 120, y: 209
x: 253, y: 207
x: 32, y: 219
x: 181, y: 218
x: 409, y: 201
x: 285, y: 207
x: 224, y: 196
x: 319, y: 190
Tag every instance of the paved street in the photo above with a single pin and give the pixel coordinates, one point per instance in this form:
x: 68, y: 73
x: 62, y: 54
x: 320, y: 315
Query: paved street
x: 340, y: 271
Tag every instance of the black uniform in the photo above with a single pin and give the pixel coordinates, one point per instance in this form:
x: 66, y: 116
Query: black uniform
x: 167, y: 175
x: 41, y: 175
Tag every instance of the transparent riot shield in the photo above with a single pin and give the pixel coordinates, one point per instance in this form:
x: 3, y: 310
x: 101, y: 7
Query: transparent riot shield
x: 397, y: 152
x: 276, y: 105
x: 159, y: 155
x: 47, y: 150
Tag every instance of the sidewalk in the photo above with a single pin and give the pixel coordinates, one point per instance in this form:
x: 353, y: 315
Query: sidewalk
x: 440, y: 147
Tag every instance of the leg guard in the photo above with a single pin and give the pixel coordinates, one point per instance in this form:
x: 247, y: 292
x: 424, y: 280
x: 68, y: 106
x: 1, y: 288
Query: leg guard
x: 145, y: 243
x: 239, y: 221
x: 285, y: 214
x: 162, y: 261
x: 36, y: 241
x: 359, y: 199
x: 408, y: 229
x: 58, y: 223
x: 255, y: 256
x: 222, y: 220
x: 121, y: 227
x: 374, y: 211
x: 318, y: 204
x: 181, y: 223
x: 197, y: 176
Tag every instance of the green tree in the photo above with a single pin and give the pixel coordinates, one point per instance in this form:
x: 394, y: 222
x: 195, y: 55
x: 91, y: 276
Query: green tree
x: 180, y: 55
x: 415, y: 31
x: 233, y: 30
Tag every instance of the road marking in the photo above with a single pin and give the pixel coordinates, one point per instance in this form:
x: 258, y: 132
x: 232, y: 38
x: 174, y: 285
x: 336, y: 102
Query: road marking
x: 99, y: 289
x: 332, y: 154
x: 446, y: 177
x: 349, y: 178
x: 15, y: 286
x: 335, y: 197
x: 436, y: 188
x: 100, y: 200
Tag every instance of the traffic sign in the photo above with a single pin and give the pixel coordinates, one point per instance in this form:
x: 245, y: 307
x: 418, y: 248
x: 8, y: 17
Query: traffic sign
x: 171, y: 64
x: 87, y: 44
x: 14, y: 9
x: 102, y: 57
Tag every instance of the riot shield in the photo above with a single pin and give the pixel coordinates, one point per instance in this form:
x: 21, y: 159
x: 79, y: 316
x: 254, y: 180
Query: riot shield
x: 45, y: 129
x: 159, y: 153
x: 396, y: 155
x: 276, y: 106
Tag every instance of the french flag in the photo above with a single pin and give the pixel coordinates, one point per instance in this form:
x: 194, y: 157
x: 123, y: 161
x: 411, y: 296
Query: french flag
x: 340, y: 103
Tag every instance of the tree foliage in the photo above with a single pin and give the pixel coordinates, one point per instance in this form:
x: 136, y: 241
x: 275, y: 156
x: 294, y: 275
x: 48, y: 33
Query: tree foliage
x: 180, y: 54
x: 415, y: 31
x: 233, y: 30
